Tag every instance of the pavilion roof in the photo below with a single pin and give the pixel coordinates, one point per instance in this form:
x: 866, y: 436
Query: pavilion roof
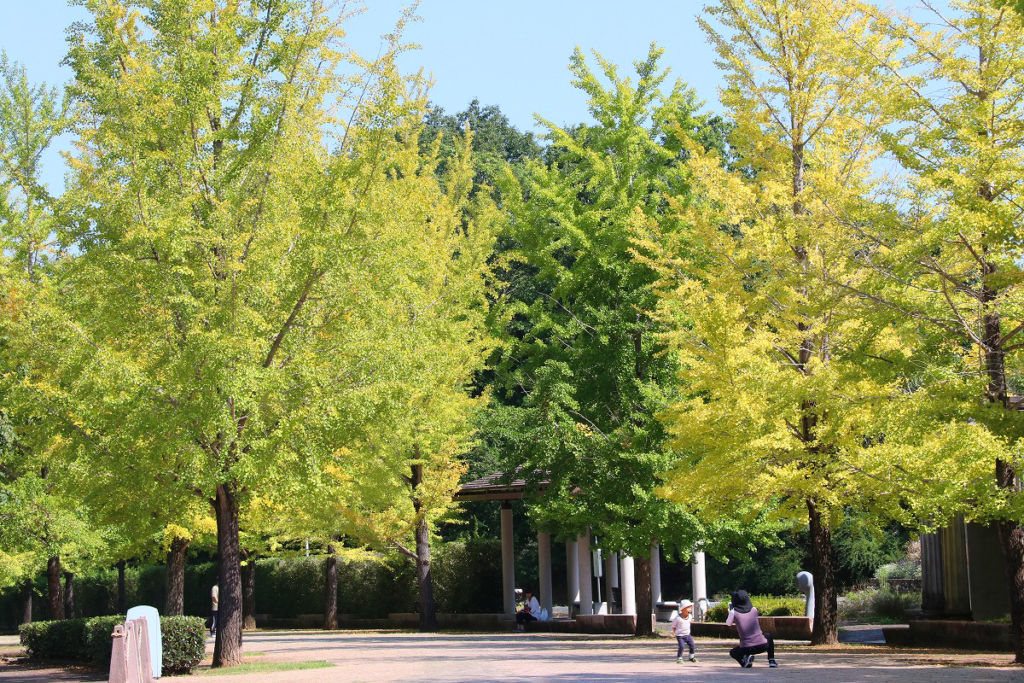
x: 495, y: 487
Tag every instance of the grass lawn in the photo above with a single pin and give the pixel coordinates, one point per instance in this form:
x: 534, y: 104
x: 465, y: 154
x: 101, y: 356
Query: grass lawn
x: 263, y: 667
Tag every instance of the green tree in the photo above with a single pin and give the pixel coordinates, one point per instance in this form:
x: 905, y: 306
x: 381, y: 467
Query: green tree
x: 40, y: 523
x: 495, y: 141
x: 405, y: 486
x: 582, y: 370
x: 219, y: 327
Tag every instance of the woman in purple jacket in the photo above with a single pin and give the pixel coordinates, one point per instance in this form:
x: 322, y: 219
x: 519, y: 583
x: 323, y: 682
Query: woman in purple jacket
x: 752, y: 640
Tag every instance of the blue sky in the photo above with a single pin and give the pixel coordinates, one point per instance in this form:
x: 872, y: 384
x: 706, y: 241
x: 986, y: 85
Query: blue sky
x: 513, y: 54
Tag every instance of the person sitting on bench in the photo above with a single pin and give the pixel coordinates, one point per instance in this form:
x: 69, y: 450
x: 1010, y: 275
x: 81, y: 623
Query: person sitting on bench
x: 530, y: 611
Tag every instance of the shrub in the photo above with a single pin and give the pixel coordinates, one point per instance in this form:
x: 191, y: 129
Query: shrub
x: 184, y: 643
x: 898, y: 570
x: 368, y: 589
x: 467, y: 576
x: 877, y: 604
x: 767, y: 606
x: 97, y: 632
x: 88, y: 640
x: 55, y: 639
x: 780, y: 611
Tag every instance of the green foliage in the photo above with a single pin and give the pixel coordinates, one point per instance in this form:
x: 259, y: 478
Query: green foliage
x: 184, y: 643
x: 496, y: 143
x: 767, y: 606
x: 466, y: 578
x: 878, y: 604
x: 71, y: 639
x: 288, y: 588
x: 898, y: 571
x: 88, y: 640
x: 583, y: 370
x: 38, y: 519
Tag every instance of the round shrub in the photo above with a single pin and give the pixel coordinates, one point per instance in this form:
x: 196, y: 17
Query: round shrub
x: 184, y: 643
x: 719, y: 613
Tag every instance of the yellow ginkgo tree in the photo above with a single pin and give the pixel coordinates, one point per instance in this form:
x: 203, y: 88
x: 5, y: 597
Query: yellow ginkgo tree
x: 239, y: 205
x: 779, y: 407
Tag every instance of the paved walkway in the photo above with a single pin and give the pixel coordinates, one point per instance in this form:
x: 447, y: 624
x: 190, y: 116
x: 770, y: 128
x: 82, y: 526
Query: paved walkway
x: 383, y: 657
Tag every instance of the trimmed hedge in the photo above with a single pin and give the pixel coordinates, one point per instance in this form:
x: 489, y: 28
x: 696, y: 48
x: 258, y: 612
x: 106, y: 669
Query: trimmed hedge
x: 767, y: 606
x: 88, y: 640
x: 467, y: 576
x: 467, y: 579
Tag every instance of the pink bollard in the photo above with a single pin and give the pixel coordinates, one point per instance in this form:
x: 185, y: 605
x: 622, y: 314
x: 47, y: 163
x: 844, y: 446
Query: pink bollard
x: 132, y: 648
x: 145, y: 658
x: 118, y: 656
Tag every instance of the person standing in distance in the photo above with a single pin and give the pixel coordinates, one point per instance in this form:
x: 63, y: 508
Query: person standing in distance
x: 215, y: 594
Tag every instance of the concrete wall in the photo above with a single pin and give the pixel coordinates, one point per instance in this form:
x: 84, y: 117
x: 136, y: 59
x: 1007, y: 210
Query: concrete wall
x: 954, y: 635
x: 781, y: 628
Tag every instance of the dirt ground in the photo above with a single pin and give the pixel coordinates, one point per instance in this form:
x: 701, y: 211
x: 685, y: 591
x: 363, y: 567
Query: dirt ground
x: 385, y: 657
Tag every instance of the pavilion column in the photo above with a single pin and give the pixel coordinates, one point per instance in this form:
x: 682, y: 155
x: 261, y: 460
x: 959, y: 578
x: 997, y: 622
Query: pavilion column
x: 547, y: 600
x: 508, y: 560
x: 611, y: 579
x: 586, y: 574
x: 572, y: 571
x: 655, y: 576
x: 699, y: 574
x: 955, y: 579
x: 628, y: 584
x: 932, y: 599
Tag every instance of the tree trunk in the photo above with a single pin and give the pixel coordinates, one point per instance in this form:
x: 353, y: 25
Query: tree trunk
x: 228, y: 649
x: 121, y: 606
x: 826, y: 608
x: 331, y: 591
x: 53, y: 584
x: 69, y: 595
x: 428, y: 612
x: 644, y: 605
x: 1011, y: 538
x: 175, y: 605
x: 1011, y: 535
x: 249, y: 592
x: 26, y: 593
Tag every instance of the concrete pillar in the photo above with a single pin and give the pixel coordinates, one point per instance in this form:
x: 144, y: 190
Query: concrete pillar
x: 987, y: 569
x: 699, y: 575
x: 932, y: 598
x: 955, y: 578
x: 610, y: 564
x: 508, y: 560
x: 572, y: 572
x: 615, y: 570
x: 655, y: 576
x: 547, y: 600
x: 586, y: 574
x: 628, y: 585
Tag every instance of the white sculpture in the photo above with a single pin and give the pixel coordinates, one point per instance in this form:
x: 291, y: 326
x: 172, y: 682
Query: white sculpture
x: 805, y: 582
x: 156, y: 648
